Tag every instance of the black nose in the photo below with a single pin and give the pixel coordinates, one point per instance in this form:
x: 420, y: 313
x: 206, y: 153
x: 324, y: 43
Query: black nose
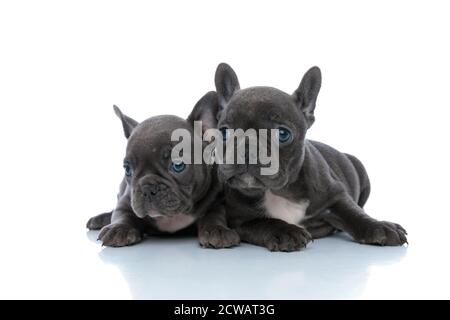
x: 149, y: 190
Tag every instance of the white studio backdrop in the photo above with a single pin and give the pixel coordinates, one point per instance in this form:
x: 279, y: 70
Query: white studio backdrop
x: 63, y: 64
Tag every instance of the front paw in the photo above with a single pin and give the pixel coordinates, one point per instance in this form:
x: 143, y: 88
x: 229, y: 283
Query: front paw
x: 218, y: 237
x: 384, y: 233
x: 119, y: 235
x: 288, y: 238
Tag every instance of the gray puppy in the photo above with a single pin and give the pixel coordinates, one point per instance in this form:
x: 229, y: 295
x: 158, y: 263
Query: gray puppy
x: 317, y: 190
x: 158, y: 196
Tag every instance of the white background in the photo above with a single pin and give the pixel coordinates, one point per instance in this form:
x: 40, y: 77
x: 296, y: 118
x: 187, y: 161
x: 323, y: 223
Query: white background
x: 385, y: 98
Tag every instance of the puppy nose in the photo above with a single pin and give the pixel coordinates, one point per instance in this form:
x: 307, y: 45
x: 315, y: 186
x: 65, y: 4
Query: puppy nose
x: 149, y: 190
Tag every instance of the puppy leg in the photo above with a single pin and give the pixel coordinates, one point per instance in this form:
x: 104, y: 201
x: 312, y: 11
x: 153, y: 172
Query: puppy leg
x: 213, y: 231
x: 99, y: 221
x: 318, y: 227
x: 321, y: 231
x: 125, y: 229
x: 347, y: 216
x: 274, y: 234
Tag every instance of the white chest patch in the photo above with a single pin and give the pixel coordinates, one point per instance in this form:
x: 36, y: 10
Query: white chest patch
x: 281, y: 208
x: 173, y: 223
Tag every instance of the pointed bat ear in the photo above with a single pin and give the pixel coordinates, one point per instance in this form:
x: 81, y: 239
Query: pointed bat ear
x: 127, y: 123
x: 206, y: 110
x: 226, y: 82
x: 306, y: 94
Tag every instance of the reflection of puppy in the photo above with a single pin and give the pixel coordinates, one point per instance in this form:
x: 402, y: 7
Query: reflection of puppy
x: 317, y: 189
x: 321, y: 272
x: 158, y: 195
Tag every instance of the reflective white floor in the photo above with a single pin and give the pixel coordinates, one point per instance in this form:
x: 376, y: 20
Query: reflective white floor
x: 385, y: 99
x: 176, y: 268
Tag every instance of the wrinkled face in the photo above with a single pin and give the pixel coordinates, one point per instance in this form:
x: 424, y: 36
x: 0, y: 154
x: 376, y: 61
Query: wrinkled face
x: 158, y: 185
x: 264, y: 108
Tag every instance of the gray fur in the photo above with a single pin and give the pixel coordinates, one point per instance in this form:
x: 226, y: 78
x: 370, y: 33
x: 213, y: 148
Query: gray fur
x: 336, y: 184
x: 153, y: 192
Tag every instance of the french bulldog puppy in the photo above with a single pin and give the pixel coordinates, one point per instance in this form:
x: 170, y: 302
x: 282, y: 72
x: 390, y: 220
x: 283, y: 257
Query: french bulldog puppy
x: 317, y: 189
x: 159, y: 196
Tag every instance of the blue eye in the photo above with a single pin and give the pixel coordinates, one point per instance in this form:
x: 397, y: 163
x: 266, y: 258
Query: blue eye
x: 128, y: 170
x: 283, y: 134
x: 225, y: 133
x: 178, y: 167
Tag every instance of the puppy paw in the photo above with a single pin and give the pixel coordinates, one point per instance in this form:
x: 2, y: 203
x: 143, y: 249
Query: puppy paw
x: 288, y: 238
x: 99, y: 221
x: 95, y: 223
x: 119, y: 235
x: 218, y: 237
x: 384, y: 233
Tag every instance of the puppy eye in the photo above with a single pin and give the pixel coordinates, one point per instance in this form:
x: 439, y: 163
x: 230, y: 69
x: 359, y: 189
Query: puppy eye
x: 178, y: 167
x: 128, y: 170
x: 283, y: 134
x: 225, y: 133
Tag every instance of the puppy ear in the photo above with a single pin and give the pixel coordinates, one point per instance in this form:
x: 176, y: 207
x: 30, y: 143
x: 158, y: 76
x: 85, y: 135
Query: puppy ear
x: 306, y: 94
x: 226, y: 82
x: 127, y: 123
x: 206, y: 110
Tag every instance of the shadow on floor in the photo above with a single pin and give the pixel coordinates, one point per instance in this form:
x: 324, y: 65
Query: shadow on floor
x: 177, y: 268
